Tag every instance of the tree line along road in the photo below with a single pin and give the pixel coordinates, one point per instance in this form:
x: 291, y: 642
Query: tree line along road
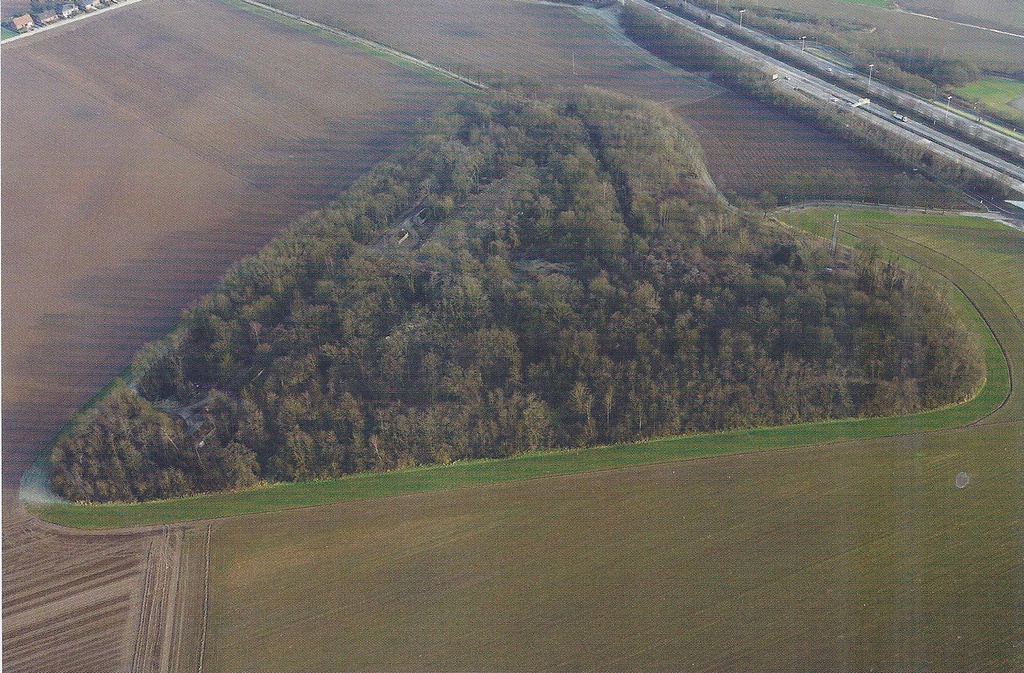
x: 984, y: 163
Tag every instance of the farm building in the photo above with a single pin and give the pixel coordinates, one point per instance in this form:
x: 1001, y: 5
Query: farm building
x: 67, y: 10
x: 47, y: 17
x: 23, y: 23
x: 88, y: 5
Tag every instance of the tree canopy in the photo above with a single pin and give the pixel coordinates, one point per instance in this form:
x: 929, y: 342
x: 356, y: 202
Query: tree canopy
x: 528, y: 274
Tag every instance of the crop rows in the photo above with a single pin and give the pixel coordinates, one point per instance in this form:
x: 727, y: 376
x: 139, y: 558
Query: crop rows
x: 68, y: 600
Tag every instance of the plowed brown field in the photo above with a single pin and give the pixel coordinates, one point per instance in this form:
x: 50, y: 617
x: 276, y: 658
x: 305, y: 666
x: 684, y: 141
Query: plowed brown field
x: 100, y: 602
x: 547, y: 44
x: 750, y: 147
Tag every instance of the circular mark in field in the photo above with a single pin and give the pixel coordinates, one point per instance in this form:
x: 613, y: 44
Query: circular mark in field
x: 962, y: 479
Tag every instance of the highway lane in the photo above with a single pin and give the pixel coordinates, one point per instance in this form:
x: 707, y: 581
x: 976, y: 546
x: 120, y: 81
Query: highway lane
x: 931, y: 110
x: 879, y: 89
x: 978, y: 160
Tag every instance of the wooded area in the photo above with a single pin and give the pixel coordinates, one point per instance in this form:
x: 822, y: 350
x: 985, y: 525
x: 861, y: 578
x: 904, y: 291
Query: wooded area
x: 528, y: 274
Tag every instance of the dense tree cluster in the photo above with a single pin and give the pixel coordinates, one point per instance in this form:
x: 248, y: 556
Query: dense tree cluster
x: 529, y: 274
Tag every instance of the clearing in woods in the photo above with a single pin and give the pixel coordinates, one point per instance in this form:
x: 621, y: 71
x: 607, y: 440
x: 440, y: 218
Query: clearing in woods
x: 892, y: 553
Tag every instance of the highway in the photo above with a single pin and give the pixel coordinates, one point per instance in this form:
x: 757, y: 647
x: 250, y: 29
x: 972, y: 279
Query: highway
x: 980, y: 161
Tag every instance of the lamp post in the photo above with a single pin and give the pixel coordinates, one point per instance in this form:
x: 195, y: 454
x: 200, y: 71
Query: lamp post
x: 949, y: 104
x: 803, y: 41
x: 741, y: 17
x: 871, y: 69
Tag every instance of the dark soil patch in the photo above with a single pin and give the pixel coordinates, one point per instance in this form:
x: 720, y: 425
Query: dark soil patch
x: 750, y: 148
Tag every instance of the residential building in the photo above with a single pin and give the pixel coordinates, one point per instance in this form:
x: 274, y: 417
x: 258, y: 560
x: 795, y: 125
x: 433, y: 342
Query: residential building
x: 23, y: 23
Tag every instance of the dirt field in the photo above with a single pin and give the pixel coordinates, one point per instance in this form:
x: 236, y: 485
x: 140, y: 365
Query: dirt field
x: 101, y: 602
x: 864, y: 557
x: 495, y: 38
x: 750, y: 147
x: 145, y: 151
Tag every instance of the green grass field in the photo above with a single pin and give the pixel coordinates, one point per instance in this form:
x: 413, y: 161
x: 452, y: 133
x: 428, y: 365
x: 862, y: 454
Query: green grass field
x: 865, y: 554
x: 6, y: 33
x: 995, y: 93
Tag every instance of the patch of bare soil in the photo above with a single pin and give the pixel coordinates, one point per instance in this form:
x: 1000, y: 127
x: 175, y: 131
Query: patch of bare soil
x: 750, y: 147
x: 100, y: 602
x: 545, y: 44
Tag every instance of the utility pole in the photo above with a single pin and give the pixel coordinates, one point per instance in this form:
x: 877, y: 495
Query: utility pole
x: 835, y: 236
x: 741, y: 17
x: 871, y: 69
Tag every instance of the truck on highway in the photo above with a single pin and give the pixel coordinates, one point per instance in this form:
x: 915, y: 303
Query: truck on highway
x: 898, y: 117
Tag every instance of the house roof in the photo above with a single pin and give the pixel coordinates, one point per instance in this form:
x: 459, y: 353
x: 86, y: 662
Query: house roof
x: 46, y: 14
x: 22, y: 21
x: 67, y: 6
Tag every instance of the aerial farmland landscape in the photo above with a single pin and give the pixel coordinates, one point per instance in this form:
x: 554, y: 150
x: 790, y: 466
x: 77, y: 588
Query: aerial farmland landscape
x: 513, y: 335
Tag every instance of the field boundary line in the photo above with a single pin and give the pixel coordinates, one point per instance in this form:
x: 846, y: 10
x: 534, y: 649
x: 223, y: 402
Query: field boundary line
x: 206, y: 600
x: 390, y: 51
x: 141, y: 623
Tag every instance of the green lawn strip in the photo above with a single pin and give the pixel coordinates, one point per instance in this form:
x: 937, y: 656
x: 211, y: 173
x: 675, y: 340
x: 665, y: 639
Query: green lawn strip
x: 469, y: 473
x: 6, y: 33
x: 527, y: 466
x: 995, y: 92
